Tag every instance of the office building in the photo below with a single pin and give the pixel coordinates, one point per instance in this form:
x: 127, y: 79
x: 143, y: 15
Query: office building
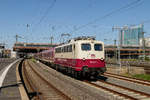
x: 131, y: 35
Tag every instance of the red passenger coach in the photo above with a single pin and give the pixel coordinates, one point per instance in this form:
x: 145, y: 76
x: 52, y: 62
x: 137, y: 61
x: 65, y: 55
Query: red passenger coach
x: 47, y: 55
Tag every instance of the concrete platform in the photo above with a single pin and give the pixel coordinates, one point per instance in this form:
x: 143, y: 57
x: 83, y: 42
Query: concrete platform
x: 5, y: 62
x: 10, y: 89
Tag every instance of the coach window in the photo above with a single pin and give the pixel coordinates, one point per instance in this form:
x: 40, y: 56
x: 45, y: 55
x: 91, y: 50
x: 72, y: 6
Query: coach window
x: 86, y: 47
x: 98, y: 47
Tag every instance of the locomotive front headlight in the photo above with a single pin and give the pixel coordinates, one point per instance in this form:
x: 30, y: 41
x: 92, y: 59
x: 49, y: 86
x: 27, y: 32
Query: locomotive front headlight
x: 102, y: 58
x: 83, y: 59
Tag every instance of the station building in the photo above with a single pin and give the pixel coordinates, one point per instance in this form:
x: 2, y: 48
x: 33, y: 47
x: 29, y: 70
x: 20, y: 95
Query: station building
x: 127, y: 52
x: 26, y: 49
x: 132, y: 45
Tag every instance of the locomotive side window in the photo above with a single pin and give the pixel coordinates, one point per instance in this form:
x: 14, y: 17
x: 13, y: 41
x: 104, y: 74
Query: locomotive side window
x: 70, y: 48
x: 61, y: 50
x: 86, y: 47
x: 65, y: 49
x: 98, y: 47
x: 58, y: 50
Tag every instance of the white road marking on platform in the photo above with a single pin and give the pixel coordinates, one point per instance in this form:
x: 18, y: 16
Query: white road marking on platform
x: 2, y: 71
x: 2, y: 76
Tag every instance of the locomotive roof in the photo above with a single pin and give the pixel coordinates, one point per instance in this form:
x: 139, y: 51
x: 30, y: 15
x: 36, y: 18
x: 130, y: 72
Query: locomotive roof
x: 79, y: 41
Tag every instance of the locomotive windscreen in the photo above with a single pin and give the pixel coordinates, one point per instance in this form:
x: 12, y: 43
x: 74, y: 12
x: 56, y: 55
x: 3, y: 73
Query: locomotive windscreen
x: 98, y: 47
x: 86, y: 47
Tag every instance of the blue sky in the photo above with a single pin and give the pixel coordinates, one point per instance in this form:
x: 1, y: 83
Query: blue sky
x: 63, y: 16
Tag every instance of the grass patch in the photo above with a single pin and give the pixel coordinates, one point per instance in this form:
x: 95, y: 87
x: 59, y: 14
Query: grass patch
x: 129, y: 59
x: 33, y: 60
x: 127, y: 75
x: 142, y: 76
x: 138, y: 76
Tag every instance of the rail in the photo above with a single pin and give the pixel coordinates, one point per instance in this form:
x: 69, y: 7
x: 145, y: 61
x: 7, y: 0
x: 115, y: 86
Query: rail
x: 44, y: 81
x: 139, y: 81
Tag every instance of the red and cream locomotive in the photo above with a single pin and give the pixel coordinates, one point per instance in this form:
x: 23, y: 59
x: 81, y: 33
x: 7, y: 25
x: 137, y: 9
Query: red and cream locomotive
x: 82, y: 56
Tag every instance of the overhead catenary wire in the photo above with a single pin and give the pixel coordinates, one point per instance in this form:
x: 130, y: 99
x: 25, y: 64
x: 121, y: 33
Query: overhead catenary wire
x: 146, y: 21
x: 45, y: 14
x: 47, y: 11
x: 34, y: 26
x: 136, y: 5
x: 127, y: 6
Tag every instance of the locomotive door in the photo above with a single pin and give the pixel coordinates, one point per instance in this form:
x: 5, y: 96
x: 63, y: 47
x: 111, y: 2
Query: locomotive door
x: 74, y: 53
x: 73, y: 46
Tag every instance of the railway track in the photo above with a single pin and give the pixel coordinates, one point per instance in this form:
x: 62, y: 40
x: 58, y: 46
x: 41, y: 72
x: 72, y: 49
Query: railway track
x: 40, y: 88
x: 30, y: 87
x: 134, y: 80
x: 36, y: 78
x: 119, y: 91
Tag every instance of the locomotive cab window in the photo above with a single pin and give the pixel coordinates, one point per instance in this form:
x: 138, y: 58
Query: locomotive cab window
x: 86, y: 47
x: 98, y: 47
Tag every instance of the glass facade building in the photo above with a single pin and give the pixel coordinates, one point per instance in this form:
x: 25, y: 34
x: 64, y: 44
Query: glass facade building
x: 131, y: 36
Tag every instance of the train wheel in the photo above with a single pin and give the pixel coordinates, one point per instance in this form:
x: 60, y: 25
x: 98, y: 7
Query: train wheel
x: 83, y: 75
x: 73, y: 73
x: 57, y: 68
x: 76, y: 74
x: 68, y: 71
x: 96, y: 75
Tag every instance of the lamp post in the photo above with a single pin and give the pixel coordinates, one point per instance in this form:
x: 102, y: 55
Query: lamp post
x: 119, y: 43
x: 113, y: 45
x: 143, y: 43
x: 51, y: 38
x: 17, y: 36
x: 106, y: 51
